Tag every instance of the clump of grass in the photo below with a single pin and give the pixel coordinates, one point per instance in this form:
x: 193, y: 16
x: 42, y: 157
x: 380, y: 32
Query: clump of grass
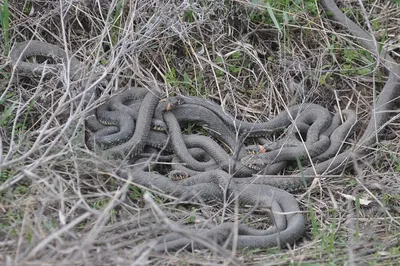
x: 253, y: 59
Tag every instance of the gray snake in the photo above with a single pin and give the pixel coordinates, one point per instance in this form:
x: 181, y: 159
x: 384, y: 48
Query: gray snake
x: 129, y: 124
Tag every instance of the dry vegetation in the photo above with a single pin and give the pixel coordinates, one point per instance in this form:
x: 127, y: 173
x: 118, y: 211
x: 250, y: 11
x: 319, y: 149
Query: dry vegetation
x: 55, y: 208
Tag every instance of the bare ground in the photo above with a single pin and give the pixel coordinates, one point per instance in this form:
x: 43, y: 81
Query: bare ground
x: 57, y: 209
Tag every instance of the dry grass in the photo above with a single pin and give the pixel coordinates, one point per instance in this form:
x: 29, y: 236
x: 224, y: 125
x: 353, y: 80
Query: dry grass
x: 55, y: 208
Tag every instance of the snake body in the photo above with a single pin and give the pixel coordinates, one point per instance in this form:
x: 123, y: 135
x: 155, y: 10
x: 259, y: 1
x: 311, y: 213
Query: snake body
x: 282, y: 120
x: 63, y: 61
x: 136, y: 143
x: 215, y: 151
x: 125, y: 126
x: 203, y: 186
x: 382, y: 107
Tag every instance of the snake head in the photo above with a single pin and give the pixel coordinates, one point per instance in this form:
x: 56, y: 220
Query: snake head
x: 171, y: 103
x: 174, y: 102
x: 255, y: 149
x: 158, y: 125
x: 254, y: 162
x: 176, y: 175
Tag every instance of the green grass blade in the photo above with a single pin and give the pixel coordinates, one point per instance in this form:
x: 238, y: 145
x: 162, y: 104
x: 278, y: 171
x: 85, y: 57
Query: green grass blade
x: 5, y: 15
x: 273, y: 17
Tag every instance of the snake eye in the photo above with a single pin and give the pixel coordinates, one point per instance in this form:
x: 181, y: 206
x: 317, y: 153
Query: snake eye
x: 179, y: 100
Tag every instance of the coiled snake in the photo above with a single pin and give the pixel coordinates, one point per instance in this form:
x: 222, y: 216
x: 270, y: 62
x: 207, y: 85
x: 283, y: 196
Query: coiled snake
x: 135, y: 123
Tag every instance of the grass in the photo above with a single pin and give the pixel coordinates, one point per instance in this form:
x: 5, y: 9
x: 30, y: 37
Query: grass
x: 254, y: 58
x: 5, y: 25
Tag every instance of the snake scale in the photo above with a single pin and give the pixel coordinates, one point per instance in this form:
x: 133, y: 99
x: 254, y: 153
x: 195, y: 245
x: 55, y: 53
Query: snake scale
x: 136, y: 125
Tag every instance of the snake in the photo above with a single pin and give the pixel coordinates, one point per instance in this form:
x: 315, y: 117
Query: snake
x: 382, y: 108
x: 63, y: 60
x: 205, y: 186
x: 209, y: 177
